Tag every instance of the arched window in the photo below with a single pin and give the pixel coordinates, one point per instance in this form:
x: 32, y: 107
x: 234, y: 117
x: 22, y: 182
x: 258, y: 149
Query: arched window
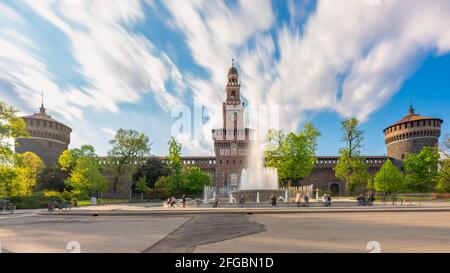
x: 233, y: 94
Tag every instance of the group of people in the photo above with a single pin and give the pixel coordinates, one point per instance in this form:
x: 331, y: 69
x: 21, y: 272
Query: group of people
x: 305, y: 199
x: 362, y: 201
x: 326, y: 200
x: 171, y: 202
x: 272, y: 200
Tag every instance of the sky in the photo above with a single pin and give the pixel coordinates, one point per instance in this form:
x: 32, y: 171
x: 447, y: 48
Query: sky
x: 142, y: 65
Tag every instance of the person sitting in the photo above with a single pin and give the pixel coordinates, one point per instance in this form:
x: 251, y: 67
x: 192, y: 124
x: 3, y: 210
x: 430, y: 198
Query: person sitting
x: 173, y: 201
x: 361, y: 200
x: 216, y: 203
x: 325, y: 200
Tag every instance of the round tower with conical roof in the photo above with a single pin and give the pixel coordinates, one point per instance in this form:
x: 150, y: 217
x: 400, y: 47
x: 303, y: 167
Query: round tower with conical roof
x: 411, y: 134
x: 48, y: 137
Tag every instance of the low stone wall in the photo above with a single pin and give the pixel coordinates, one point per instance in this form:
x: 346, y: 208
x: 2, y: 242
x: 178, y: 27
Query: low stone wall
x: 339, y: 204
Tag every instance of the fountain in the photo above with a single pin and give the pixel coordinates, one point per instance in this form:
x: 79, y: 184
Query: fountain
x: 257, y: 182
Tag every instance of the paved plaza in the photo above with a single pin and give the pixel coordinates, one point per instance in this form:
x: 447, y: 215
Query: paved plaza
x: 136, y: 228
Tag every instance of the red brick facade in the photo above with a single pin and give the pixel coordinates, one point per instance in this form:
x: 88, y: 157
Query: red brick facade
x: 232, y: 140
x: 411, y: 134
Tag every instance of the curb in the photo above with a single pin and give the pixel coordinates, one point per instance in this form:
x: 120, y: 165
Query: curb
x: 242, y: 211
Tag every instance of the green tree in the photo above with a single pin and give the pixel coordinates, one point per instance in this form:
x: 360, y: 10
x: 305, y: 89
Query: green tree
x: 152, y: 169
x: 389, y: 179
x: 443, y: 184
x: 445, y: 146
x: 164, y: 182
x: 28, y: 166
x: 8, y: 181
x: 68, y: 159
x: 84, y: 169
x: 11, y: 127
x: 189, y: 181
x: 127, y: 146
x: 293, y: 154
x: 195, y: 181
x: 352, y: 168
x: 174, y: 164
x: 174, y: 160
x: 421, y: 170
x: 52, y: 178
x: 86, y: 177
x: 141, y: 186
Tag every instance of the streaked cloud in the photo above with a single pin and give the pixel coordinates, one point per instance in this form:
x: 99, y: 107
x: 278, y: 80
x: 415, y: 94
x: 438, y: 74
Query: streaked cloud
x: 348, y: 57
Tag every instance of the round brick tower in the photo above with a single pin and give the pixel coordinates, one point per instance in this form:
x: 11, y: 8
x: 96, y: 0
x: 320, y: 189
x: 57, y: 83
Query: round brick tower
x: 411, y: 134
x: 48, y: 137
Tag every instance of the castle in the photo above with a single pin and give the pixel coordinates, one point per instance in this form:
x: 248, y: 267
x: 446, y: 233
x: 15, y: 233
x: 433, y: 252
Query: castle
x: 409, y: 135
x: 48, y: 137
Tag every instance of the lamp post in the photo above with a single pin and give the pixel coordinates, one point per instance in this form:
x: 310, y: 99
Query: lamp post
x: 384, y: 181
x: 429, y: 183
x: 92, y: 175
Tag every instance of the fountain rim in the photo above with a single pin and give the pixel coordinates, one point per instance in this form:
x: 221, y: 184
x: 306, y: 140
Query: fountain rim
x: 265, y: 189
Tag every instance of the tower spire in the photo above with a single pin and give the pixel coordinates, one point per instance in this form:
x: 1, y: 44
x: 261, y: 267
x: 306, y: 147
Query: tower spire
x: 42, y: 109
x: 411, y: 108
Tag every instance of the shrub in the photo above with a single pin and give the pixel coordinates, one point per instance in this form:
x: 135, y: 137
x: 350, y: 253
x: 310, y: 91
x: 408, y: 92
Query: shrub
x: 35, y: 201
x: 158, y: 193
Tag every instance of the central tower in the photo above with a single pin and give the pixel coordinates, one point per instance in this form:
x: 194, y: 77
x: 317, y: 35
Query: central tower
x: 231, y: 141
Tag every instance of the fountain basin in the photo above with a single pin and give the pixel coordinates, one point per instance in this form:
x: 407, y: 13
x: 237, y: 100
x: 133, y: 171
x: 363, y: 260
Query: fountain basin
x: 264, y: 195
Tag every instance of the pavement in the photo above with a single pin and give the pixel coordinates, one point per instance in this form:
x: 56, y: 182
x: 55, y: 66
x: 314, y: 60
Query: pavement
x: 49, y: 234
x: 136, y: 228
x: 356, y: 232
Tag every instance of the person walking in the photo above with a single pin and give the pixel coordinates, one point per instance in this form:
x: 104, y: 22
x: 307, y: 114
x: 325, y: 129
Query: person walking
x: 370, y: 199
x: 242, y: 201
x: 273, y: 201
x: 329, y: 200
x: 184, y: 200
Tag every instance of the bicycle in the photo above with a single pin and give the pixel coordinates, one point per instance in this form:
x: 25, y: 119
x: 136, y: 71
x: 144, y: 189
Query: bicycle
x: 6, y: 205
x: 63, y: 206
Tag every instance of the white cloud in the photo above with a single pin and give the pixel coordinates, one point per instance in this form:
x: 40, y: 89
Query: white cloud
x: 119, y: 66
x: 214, y: 31
x: 376, y: 47
x: 351, y: 56
x: 109, y: 131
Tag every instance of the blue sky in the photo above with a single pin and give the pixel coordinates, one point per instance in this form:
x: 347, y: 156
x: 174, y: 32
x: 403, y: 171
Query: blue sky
x: 105, y: 65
